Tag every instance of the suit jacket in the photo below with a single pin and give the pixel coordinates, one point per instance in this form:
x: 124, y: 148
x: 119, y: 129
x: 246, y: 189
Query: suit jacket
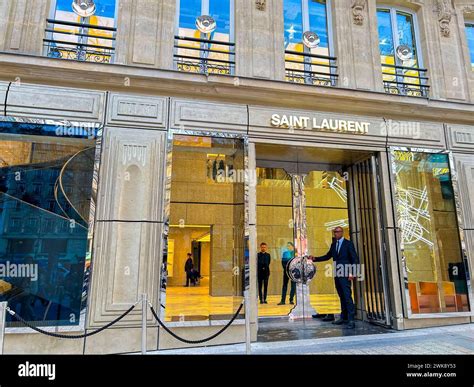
x: 263, y: 264
x: 347, y: 254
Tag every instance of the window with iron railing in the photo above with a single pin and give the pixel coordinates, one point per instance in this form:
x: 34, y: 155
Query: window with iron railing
x: 402, y: 70
x: 204, y: 42
x: 81, y: 30
x: 308, y: 42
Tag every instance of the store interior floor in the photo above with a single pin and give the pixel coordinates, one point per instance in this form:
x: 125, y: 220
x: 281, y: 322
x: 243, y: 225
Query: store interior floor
x: 282, y: 329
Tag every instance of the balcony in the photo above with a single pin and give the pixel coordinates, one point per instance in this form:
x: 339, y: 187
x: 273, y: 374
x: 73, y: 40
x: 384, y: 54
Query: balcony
x: 79, y: 41
x: 310, y: 69
x: 204, y: 56
x: 402, y: 80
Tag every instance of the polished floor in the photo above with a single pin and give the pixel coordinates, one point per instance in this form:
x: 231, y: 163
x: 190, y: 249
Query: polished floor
x: 194, y: 303
x: 281, y: 329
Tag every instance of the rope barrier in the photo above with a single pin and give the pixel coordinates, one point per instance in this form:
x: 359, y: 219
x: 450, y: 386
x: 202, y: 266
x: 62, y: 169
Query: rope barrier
x: 63, y: 336
x: 196, y: 341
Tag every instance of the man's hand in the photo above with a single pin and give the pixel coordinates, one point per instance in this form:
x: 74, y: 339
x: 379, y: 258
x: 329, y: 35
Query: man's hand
x: 351, y: 277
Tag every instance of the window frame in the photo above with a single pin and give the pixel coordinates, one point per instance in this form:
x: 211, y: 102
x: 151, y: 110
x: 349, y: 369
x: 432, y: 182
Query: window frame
x: 396, y: 40
x: 401, y: 259
x: 203, y: 54
x: 469, y: 23
x: 52, y: 15
x: 306, y: 26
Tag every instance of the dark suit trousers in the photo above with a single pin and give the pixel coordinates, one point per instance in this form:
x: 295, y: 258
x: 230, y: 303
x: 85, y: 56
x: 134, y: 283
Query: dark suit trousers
x: 262, y: 286
x: 285, y: 287
x: 343, y: 287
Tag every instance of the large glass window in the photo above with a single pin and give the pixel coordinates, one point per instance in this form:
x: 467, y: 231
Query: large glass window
x: 206, y: 240
x: 430, y: 240
x: 470, y: 41
x: 275, y: 229
x: 45, y: 212
x: 400, y: 57
x: 86, y: 33
x: 205, y: 36
x: 308, y: 42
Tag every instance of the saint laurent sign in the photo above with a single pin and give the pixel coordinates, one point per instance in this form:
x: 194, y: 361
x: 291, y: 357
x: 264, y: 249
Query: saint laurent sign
x: 326, y: 124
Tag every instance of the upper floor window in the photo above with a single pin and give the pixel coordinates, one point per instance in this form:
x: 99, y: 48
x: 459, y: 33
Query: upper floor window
x: 81, y: 30
x: 400, y: 56
x: 204, y: 42
x: 470, y: 41
x: 308, y: 42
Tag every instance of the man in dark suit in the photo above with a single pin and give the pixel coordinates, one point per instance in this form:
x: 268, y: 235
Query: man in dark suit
x: 343, y: 253
x: 263, y: 272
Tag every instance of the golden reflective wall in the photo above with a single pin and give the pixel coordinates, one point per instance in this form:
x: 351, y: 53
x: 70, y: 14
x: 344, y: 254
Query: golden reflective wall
x: 429, y: 231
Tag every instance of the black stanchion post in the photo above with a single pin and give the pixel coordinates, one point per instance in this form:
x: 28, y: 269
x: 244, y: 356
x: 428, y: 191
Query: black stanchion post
x: 3, y: 319
x: 144, y: 310
x: 248, y: 345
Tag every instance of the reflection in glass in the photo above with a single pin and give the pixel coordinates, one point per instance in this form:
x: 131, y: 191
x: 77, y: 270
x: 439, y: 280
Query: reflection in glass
x: 205, y: 52
x: 45, y: 201
x: 470, y: 41
x: 401, y: 76
x: 76, y: 37
x: 429, y: 231
x: 207, y: 222
x: 326, y: 208
x: 275, y: 228
x: 301, y: 16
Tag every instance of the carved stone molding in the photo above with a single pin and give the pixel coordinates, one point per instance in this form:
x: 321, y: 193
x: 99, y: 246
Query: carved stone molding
x: 467, y: 9
x: 261, y: 4
x: 358, y: 11
x: 445, y: 13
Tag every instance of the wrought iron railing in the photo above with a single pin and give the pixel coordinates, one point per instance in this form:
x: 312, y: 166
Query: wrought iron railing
x: 204, y: 56
x: 79, y: 41
x: 312, y: 69
x: 403, y: 80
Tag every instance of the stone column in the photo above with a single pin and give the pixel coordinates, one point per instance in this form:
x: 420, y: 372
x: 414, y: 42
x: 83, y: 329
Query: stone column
x: 259, y: 39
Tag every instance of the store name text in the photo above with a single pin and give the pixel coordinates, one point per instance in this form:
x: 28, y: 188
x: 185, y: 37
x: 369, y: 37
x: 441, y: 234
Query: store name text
x: 329, y: 124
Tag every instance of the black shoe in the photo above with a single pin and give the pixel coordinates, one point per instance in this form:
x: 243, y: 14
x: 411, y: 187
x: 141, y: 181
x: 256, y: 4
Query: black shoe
x: 319, y: 315
x: 329, y: 317
x: 339, y: 322
x: 281, y: 303
x: 292, y: 303
x: 265, y: 302
x: 350, y: 325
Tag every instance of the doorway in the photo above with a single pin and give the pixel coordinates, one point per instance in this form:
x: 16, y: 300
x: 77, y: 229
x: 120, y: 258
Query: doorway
x: 338, y: 188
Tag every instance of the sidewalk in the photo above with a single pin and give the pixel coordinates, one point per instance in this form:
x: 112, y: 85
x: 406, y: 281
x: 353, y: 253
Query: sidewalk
x: 456, y: 339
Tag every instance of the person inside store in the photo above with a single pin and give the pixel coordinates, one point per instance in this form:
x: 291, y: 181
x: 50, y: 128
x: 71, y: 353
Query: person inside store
x: 287, y: 256
x: 343, y: 252
x: 188, y: 269
x: 263, y: 272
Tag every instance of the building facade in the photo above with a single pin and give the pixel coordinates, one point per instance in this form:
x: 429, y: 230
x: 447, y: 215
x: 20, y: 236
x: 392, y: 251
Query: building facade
x: 134, y: 132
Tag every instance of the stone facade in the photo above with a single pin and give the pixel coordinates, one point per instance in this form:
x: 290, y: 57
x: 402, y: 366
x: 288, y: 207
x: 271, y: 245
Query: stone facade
x: 141, y: 98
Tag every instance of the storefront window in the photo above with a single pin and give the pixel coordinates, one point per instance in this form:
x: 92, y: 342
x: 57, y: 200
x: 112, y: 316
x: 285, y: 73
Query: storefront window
x: 470, y: 41
x: 427, y: 220
x: 45, y: 214
x: 205, y: 41
x: 204, y: 261
x: 275, y: 229
x: 87, y: 35
x: 400, y: 58
x: 307, y: 41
